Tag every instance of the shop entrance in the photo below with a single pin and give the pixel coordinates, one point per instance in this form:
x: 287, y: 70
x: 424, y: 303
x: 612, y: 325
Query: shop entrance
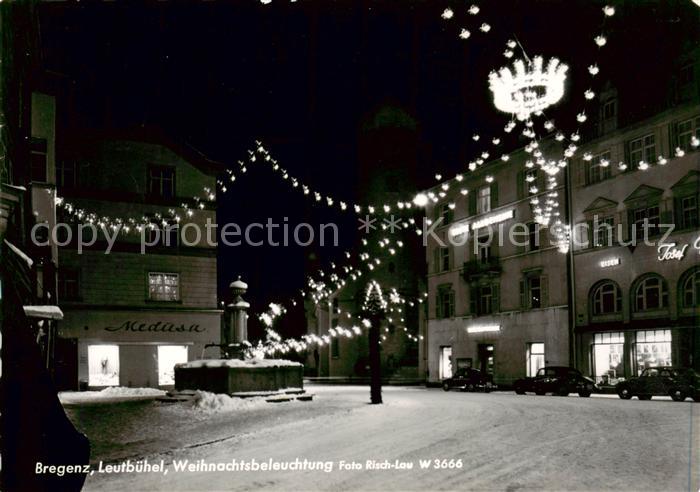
x: 486, y: 358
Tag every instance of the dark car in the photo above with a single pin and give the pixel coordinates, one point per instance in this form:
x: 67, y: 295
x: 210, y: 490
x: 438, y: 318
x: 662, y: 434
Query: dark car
x: 557, y: 380
x: 468, y: 379
x: 676, y: 382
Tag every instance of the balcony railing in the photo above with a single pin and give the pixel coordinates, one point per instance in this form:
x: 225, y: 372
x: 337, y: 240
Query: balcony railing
x: 482, y: 267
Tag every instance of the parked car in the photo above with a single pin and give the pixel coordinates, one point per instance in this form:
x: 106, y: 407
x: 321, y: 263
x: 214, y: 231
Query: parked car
x: 468, y: 379
x: 557, y: 380
x: 676, y: 382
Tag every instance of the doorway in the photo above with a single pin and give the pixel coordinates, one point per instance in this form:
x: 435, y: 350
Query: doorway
x: 486, y: 358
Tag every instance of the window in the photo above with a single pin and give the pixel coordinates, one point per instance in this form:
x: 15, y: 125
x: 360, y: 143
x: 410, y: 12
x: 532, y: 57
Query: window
x: 653, y: 349
x: 335, y: 305
x: 533, y: 229
x: 445, y: 212
x: 606, y: 298
x: 66, y: 174
x: 163, y: 286
x: 68, y: 284
x: 532, y: 182
x: 686, y: 74
x: 103, y: 365
x: 335, y: 347
x: 38, y: 149
x: 535, y: 358
x: 685, y: 130
x: 608, y: 352
x: 161, y: 181
x: 534, y: 288
x: 484, y: 253
x: 650, y: 293
x: 642, y: 149
x: 444, y: 259
x: 603, y: 231
x: 485, y: 299
x: 168, y: 357
x: 598, y: 168
x: 688, y: 213
x: 445, y: 369
x: 483, y: 202
x: 445, y: 302
x: 609, y: 109
x: 645, y: 218
x: 533, y: 291
x: 690, y: 289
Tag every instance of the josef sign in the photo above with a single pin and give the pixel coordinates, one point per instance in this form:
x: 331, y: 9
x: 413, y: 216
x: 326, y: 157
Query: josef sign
x: 671, y: 251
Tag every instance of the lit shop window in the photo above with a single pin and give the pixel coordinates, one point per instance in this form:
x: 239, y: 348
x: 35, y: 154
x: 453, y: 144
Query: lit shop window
x: 445, y: 362
x: 168, y: 356
x: 608, y: 350
x: 653, y: 349
x: 163, y: 286
x: 103, y: 365
x: 535, y: 358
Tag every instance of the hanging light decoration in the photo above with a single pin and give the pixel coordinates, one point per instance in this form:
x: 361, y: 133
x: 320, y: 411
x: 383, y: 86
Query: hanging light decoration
x: 528, y: 89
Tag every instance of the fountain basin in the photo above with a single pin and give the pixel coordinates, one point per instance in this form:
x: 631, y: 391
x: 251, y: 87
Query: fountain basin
x: 231, y: 376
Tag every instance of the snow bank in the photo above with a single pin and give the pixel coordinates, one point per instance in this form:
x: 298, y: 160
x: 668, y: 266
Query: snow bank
x: 113, y: 393
x: 46, y: 312
x: 121, y: 391
x: 206, y: 402
x: 249, y: 363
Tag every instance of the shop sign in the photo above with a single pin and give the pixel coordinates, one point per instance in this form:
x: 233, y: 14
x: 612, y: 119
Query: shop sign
x: 483, y: 328
x: 609, y: 262
x: 671, y: 251
x: 158, y: 326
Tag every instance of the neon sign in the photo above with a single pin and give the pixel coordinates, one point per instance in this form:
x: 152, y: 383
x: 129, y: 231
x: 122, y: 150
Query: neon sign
x: 610, y: 262
x: 483, y: 328
x: 671, y: 252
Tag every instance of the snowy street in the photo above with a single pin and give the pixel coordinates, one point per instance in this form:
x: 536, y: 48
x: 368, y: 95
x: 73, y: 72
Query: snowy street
x: 502, y: 442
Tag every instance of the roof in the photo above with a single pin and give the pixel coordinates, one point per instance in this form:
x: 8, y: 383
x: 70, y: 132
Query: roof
x: 157, y: 136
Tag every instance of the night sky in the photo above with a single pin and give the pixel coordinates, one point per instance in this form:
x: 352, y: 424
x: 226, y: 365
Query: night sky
x: 303, y: 77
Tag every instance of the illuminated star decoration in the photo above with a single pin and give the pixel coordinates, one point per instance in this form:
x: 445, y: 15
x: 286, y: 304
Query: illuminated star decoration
x: 528, y: 89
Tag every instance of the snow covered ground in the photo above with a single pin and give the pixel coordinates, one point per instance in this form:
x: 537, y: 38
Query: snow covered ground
x: 110, y: 394
x: 504, y: 442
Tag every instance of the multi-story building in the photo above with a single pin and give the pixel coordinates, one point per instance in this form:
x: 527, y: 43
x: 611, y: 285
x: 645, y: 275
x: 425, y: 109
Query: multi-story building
x: 637, y: 248
x: 132, y: 313
x: 496, y: 303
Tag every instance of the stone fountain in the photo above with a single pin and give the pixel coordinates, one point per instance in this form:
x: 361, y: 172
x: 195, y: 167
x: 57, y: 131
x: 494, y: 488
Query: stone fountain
x: 235, y: 374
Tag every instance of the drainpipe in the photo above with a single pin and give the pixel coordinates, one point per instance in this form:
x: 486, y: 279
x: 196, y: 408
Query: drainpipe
x: 570, y: 273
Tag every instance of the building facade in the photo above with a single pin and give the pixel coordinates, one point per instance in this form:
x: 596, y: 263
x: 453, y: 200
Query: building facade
x: 133, y: 312
x: 637, y: 246
x: 496, y: 282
